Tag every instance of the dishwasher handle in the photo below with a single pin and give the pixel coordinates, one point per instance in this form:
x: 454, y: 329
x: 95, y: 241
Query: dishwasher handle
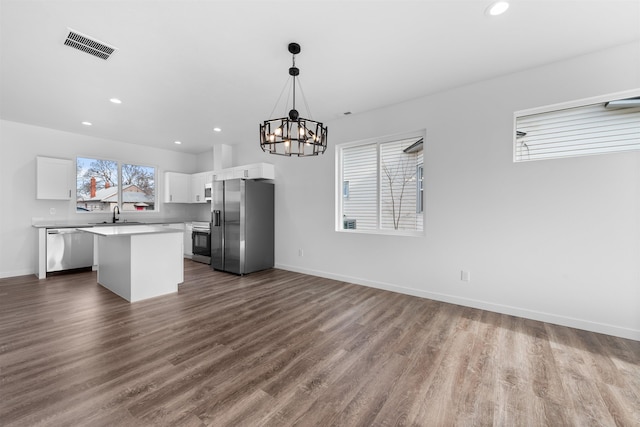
x: 63, y: 231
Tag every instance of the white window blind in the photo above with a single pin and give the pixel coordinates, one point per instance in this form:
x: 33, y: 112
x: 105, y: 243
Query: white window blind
x: 576, y: 131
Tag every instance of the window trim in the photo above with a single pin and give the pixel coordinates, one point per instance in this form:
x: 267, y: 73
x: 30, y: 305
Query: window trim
x: 339, y: 199
x: 420, y: 187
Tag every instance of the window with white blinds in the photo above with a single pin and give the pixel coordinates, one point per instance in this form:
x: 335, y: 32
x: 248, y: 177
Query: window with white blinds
x: 380, y: 186
x: 595, y: 126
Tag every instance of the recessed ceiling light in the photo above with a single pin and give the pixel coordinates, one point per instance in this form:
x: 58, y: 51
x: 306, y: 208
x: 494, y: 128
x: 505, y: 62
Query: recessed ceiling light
x: 177, y: 142
x: 217, y: 130
x: 87, y: 123
x: 497, y: 8
x: 115, y: 101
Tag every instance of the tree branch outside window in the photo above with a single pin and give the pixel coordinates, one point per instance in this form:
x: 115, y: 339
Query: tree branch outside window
x: 397, y: 177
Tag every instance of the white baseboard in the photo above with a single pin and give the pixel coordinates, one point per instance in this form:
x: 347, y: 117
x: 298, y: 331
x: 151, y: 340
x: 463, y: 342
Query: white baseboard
x: 556, y: 319
x: 15, y: 273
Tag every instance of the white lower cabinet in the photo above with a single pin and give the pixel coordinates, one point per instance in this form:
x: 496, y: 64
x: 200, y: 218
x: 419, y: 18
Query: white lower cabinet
x: 179, y: 226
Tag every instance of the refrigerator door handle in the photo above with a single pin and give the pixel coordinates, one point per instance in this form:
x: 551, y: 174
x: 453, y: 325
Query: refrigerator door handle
x: 216, y: 218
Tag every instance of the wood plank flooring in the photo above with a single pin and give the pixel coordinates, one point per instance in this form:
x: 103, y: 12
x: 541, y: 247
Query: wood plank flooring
x: 277, y: 348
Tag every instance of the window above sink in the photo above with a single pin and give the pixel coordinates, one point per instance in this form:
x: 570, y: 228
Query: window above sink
x: 102, y: 185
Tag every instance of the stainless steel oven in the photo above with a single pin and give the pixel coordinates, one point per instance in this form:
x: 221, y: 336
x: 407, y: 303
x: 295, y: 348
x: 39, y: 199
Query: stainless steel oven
x: 201, y: 245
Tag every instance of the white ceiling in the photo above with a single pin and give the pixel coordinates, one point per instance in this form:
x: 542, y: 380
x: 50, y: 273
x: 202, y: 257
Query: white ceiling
x: 185, y: 67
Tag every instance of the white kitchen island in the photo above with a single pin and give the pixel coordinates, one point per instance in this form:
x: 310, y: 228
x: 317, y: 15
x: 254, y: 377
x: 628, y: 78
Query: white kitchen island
x: 138, y: 262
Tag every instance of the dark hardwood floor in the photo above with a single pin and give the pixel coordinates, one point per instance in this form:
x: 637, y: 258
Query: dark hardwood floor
x: 277, y: 348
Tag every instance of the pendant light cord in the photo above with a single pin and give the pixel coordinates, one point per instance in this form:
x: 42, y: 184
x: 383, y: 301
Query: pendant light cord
x: 280, y: 97
x: 286, y: 84
x: 305, y: 101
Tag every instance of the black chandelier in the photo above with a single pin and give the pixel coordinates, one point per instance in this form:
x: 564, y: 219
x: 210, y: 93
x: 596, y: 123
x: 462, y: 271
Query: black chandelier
x: 293, y: 135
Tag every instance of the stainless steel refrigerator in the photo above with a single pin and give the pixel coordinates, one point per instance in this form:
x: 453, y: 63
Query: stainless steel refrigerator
x: 242, y: 220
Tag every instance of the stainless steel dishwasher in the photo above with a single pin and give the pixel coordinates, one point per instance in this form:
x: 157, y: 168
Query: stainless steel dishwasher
x: 68, y: 248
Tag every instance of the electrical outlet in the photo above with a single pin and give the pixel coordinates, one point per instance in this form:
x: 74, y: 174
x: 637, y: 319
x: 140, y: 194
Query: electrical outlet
x: 300, y: 252
x: 52, y: 211
x: 465, y: 276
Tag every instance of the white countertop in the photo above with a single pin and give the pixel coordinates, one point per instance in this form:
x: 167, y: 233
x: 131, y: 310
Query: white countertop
x: 78, y: 223
x: 129, y: 230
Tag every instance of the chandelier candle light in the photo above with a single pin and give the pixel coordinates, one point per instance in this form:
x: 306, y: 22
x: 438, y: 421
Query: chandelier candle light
x: 293, y: 135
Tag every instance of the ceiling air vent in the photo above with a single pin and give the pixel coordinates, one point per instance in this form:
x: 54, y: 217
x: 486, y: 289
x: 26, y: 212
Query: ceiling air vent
x: 89, y: 45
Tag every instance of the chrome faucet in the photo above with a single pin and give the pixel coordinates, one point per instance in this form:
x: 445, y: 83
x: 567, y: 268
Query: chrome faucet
x: 116, y: 218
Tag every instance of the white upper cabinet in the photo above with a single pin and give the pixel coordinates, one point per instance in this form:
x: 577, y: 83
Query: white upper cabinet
x: 54, y: 178
x: 223, y: 175
x: 189, y: 188
x: 198, y: 180
x: 259, y: 171
x: 177, y: 187
x: 253, y: 171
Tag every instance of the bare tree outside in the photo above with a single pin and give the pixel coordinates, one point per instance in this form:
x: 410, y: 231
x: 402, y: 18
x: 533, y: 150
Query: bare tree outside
x: 140, y: 176
x: 105, y: 173
x: 398, y: 175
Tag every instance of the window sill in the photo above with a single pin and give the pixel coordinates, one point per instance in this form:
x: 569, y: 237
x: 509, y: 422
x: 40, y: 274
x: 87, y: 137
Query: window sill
x: 404, y: 233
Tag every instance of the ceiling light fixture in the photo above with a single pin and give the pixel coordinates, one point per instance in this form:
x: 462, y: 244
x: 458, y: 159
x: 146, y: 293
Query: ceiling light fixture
x: 293, y: 135
x: 87, y: 123
x: 115, y: 101
x: 497, y: 8
x: 217, y: 130
x: 177, y: 142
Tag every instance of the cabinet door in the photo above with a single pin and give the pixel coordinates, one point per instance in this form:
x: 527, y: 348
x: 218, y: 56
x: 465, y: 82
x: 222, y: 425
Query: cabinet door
x: 210, y: 177
x: 267, y: 171
x: 177, y: 187
x: 197, y: 187
x: 54, y: 178
x: 240, y: 172
x: 253, y: 172
x: 260, y: 171
x: 227, y: 174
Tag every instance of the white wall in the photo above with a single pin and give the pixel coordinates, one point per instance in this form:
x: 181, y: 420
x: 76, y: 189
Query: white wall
x: 19, y: 146
x: 204, y: 161
x: 555, y: 240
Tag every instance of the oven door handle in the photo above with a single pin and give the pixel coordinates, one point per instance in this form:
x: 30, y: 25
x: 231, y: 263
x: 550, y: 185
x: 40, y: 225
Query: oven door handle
x: 200, y: 232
